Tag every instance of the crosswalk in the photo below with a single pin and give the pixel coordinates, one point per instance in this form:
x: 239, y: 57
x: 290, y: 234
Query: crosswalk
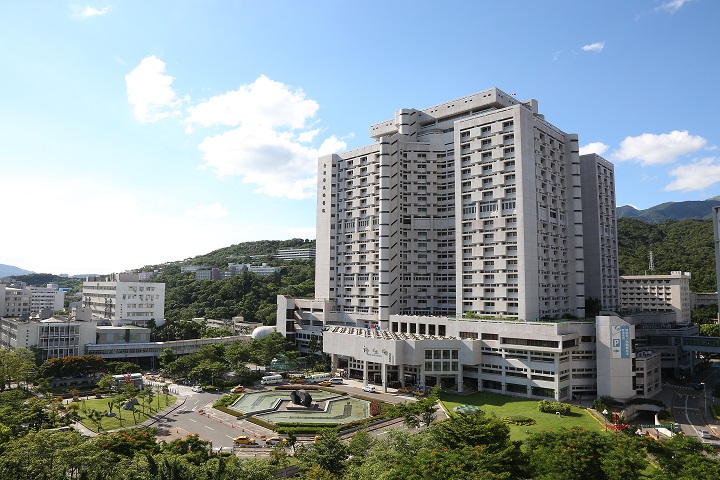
x: 681, y: 387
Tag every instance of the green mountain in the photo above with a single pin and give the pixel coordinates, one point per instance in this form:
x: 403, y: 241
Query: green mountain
x: 686, y: 245
x: 693, y: 209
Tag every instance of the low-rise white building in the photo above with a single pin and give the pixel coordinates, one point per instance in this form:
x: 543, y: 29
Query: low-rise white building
x: 296, y: 254
x: 56, y: 337
x: 559, y: 359
x: 657, y: 293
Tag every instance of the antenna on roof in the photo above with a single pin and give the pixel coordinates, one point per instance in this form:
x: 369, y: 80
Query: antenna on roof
x: 651, y: 266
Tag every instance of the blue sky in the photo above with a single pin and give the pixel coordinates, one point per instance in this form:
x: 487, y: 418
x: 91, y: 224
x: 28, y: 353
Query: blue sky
x: 136, y: 132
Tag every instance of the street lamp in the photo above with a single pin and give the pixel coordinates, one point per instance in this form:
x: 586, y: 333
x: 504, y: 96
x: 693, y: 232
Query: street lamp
x: 705, y: 397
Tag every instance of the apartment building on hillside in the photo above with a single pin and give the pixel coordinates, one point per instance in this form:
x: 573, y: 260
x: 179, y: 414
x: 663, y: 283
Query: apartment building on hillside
x: 657, y: 293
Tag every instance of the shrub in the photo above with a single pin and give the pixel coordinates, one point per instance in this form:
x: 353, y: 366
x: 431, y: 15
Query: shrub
x: 548, y: 406
x: 519, y: 420
x: 226, y: 400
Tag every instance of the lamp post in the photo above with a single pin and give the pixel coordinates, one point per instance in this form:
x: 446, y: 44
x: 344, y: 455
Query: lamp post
x: 704, y: 397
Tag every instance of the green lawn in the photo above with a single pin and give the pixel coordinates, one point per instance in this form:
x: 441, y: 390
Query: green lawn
x: 123, y: 419
x: 504, y: 406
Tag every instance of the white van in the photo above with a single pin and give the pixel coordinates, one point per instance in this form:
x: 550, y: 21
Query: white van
x: 318, y: 377
x: 271, y: 380
x: 336, y: 381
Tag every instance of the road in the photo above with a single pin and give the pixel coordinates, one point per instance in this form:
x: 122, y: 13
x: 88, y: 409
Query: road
x: 691, y: 407
x: 195, y: 417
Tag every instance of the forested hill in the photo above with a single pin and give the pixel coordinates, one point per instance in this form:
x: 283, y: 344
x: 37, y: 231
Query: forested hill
x: 685, y: 245
x: 248, y: 252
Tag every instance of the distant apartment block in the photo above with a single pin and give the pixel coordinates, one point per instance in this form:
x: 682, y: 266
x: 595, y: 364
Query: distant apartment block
x: 122, y: 299
x: 192, y: 268
x: 14, y: 301
x: 215, y: 274
x: 263, y: 269
x: 657, y: 293
x: 296, y: 254
x: 46, y: 298
x: 143, y: 276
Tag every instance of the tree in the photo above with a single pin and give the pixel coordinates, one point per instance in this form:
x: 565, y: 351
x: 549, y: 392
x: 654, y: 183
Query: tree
x: 709, y: 329
x: 360, y: 444
x: 52, y: 455
x: 129, y: 442
x: 15, y: 367
x: 577, y: 453
x: 167, y: 357
x: 122, y: 368
x: 106, y: 382
x: 329, y: 453
x: 423, y: 411
x: 684, y: 457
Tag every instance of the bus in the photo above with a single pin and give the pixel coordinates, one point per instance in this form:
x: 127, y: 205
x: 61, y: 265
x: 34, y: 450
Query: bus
x: 317, y: 378
x: 271, y: 379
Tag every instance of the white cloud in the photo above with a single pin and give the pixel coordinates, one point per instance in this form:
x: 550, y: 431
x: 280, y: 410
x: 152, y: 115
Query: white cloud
x: 594, y: 147
x: 214, y: 211
x: 267, y: 158
x: 672, y: 6
x: 93, y: 12
x: 698, y: 175
x: 266, y: 145
x: 150, y: 92
x: 88, y: 11
x: 263, y: 102
x: 308, y: 136
x: 651, y: 149
x: 594, y: 47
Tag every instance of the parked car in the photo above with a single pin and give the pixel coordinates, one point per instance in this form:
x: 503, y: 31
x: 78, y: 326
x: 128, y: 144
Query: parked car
x: 244, y: 440
x: 197, y: 389
x: 336, y: 381
x: 369, y: 388
x: 325, y: 383
x: 705, y: 434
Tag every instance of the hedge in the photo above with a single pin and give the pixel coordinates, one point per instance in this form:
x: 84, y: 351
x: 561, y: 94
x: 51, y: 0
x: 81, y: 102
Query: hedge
x: 547, y: 406
x: 262, y: 423
x: 229, y: 411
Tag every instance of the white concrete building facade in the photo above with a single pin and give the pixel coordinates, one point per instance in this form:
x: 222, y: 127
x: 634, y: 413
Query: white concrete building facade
x: 46, y: 298
x: 657, y: 293
x: 55, y: 337
x: 602, y: 276
x: 449, y: 249
x: 14, y: 302
x: 122, y: 299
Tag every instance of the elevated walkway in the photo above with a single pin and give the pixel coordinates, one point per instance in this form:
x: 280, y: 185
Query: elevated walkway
x: 699, y: 344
